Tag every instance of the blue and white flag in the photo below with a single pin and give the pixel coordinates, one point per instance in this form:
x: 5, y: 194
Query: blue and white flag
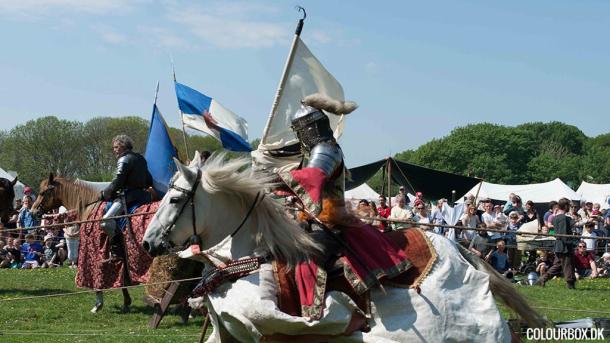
x: 203, y: 113
x: 159, y: 152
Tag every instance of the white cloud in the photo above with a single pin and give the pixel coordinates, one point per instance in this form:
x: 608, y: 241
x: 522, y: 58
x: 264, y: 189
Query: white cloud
x: 162, y: 38
x: 38, y: 8
x: 230, y: 25
x: 371, y: 67
x: 110, y: 35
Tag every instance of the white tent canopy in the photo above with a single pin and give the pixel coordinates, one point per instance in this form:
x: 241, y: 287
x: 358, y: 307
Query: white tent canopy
x: 595, y: 193
x: 536, y: 192
x: 363, y: 191
x: 18, y: 187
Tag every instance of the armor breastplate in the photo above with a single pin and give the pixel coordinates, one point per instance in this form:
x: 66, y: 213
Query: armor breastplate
x: 135, y: 169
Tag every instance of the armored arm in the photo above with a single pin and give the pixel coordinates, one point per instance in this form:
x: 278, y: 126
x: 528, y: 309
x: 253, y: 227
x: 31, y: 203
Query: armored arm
x: 120, y: 179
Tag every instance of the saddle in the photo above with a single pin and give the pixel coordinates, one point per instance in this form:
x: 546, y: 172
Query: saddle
x: 413, y: 242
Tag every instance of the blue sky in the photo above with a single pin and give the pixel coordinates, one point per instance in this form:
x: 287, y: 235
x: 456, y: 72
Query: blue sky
x: 417, y: 69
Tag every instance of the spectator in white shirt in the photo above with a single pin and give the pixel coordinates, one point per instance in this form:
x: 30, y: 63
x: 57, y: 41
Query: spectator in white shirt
x: 402, y: 212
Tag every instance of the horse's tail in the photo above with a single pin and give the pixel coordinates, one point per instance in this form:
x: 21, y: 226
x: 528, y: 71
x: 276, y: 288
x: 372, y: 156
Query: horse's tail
x: 504, y: 290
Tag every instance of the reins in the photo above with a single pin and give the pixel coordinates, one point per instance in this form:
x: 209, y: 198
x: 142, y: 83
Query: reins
x: 195, y: 240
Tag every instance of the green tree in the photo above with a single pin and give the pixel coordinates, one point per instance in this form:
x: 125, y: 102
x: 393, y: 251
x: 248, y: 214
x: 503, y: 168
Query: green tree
x: 41, y: 146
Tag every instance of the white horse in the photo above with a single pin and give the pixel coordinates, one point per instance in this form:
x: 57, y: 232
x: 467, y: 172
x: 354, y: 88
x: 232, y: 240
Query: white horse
x: 455, y: 303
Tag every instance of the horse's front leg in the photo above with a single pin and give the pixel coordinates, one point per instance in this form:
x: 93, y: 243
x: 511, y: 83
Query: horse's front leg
x: 126, y: 301
x: 99, y: 302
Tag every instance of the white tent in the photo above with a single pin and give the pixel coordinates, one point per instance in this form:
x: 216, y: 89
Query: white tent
x: 18, y: 187
x: 595, y: 193
x: 536, y: 192
x: 364, y: 191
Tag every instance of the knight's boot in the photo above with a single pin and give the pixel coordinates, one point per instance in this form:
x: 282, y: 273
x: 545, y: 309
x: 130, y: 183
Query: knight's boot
x: 111, y: 227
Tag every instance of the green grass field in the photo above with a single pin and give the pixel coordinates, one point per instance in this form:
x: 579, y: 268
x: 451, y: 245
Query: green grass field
x: 67, y: 319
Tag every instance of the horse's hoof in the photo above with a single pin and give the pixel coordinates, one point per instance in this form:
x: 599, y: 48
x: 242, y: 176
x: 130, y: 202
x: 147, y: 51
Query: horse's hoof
x: 125, y: 309
x: 97, y: 308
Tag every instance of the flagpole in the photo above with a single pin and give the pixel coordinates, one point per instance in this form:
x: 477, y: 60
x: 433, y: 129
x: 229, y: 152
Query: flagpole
x: 156, y: 93
x: 186, y: 146
x: 278, y: 93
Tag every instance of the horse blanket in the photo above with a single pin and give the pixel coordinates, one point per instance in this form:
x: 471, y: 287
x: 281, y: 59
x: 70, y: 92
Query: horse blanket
x: 303, y: 295
x: 93, y: 271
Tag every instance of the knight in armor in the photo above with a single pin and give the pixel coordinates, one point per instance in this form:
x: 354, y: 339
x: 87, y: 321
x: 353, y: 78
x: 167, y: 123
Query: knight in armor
x: 319, y: 184
x: 128, y: 187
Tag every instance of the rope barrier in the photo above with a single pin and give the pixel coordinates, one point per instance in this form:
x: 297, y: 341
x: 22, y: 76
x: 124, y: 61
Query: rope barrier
x: 480, y: 228
x: 78, y: 222
x: 97, y: 290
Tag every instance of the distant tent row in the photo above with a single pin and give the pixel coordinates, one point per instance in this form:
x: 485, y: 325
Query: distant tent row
x: 434, y: 184
x: 536, y: 192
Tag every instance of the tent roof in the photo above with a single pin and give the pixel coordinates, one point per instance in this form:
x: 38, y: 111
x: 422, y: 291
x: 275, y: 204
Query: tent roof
x: 434, y: 184
x: 536, y: 192
x: 595, y: 193
x: 364, y: 191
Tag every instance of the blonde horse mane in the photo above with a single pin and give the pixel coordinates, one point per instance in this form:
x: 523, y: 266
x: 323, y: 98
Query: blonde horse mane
x: 74, y: 194
x: 275, y: 232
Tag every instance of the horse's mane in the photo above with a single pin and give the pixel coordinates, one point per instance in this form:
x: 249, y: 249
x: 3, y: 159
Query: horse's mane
x: 75, y: 193
x: 275, y: 232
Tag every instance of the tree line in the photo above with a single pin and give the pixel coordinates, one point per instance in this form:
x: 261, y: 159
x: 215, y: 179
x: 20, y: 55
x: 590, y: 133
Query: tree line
x: 527, y: 153
x: 79, y: 150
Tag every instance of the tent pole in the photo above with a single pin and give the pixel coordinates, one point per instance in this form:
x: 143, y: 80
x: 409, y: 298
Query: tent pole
x: 389, y: 173
x: 476, y: 197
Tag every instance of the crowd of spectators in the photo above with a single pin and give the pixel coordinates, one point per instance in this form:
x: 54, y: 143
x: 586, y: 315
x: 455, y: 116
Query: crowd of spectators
x: 29, y: 243
x: 585, y: 256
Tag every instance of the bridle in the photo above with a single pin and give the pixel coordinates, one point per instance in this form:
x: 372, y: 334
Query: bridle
x: 190, y: 199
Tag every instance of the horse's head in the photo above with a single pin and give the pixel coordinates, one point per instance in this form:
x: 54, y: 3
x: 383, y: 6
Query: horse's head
x: 173, y: 222
x: 7, y: 195
x: 47, y: 199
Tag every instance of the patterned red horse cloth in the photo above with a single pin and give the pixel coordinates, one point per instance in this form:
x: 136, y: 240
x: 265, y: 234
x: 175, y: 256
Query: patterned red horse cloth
x: 301, y: 290
x: 93, y: 271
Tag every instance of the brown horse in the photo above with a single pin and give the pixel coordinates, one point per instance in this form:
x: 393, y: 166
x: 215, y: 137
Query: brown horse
x: 7, y: 195
x: 95, y: 269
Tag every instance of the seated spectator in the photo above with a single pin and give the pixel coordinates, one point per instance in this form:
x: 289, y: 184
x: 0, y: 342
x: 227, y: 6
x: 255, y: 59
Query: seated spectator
x: 32, y: 252
x: 590, y: 242
x: 4, y: 260
x: 384, y: 211
x: 550, y: 212
x: 421, y: 215
x: 49, y: 253
x: 543, y: 262
x: 604, y: 269
x: 576, y: 219
x: 479, y: 245
x: 584, y: 262
x: 401, y: 212
x: 13, y: 253
x: 499, y: 258
x: 596, y: 210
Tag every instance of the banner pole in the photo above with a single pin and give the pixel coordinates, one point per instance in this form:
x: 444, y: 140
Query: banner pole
x: 186, y: 146
x: 280, y: 87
